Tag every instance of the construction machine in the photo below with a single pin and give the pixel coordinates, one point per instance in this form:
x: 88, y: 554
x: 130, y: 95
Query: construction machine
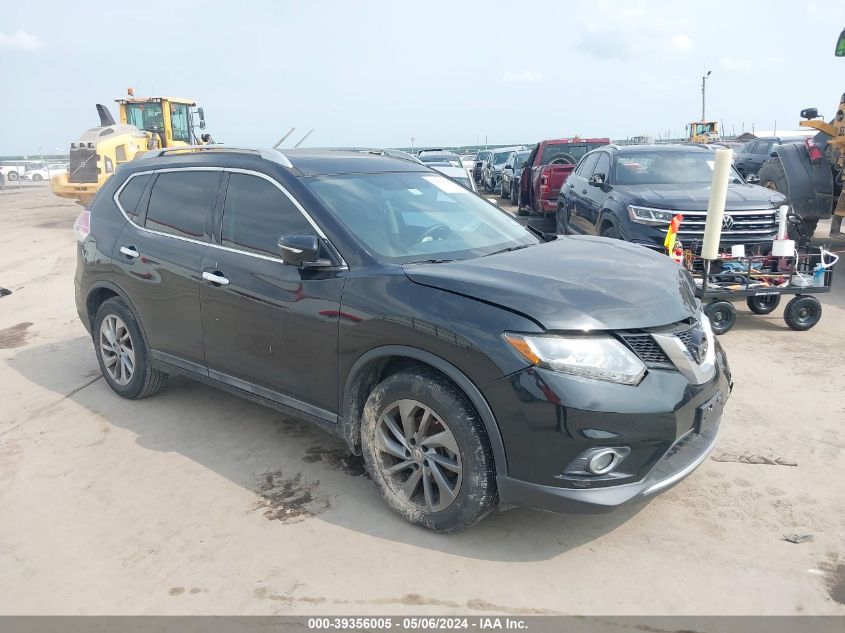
x: 703, y: 131
x: 810, y: 174
x: 145, y: 124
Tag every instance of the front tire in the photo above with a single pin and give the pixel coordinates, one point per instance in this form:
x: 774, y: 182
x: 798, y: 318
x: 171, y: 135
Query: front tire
x: 123, y: 354
x: 37, y: 177
x: 13, y: 176
x: 427, y: 452
x: 612, y: 232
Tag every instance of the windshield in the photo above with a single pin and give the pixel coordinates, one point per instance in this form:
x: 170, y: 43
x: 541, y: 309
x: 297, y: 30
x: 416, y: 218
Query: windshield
x: 566, y: 153
x: 146, y: 116
x: 500, y: 158
x: 412, y: 217
x: 666, y: 168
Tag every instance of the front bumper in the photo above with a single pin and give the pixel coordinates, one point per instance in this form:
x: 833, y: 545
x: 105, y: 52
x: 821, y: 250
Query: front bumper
x: 680, y: 460
x: 558, y: 417
x: 82, y: 192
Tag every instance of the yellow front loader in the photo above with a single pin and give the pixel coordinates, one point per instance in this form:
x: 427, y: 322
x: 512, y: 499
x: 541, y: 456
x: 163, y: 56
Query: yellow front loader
x: 145, y: 124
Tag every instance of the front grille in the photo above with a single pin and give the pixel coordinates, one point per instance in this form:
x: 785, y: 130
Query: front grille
x: 647, y: 349
x: 83, y: 165
x: 747, y: 224
x: 686, y: 337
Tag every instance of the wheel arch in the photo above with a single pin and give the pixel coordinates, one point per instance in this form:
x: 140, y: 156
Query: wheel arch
x: 374, y: 365
x: 102, y: 291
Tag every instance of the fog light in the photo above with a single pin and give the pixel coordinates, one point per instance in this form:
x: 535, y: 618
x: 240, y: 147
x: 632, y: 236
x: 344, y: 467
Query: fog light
x: 602, y: 460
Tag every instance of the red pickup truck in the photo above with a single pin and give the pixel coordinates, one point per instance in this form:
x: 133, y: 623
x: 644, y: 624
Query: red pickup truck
x: 547, y: 168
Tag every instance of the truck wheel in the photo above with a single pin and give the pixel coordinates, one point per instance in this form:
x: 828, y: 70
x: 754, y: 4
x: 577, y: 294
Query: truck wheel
x: 772, y: 176
x: 521, y: 210
x: 802, y: 312
x: 426, y: 450
x: 13, y: 176
x: 763, y: 304
x: 722, y: 316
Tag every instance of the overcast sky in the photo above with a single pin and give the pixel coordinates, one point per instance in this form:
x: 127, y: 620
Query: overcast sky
x: 446, y: 73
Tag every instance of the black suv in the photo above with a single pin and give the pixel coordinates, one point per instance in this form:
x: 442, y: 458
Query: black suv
x: 467, y: 358
x: 633, y: 192
x: 750, y: 158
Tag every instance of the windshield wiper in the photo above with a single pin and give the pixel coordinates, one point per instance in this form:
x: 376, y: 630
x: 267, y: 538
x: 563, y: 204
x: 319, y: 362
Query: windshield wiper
x: 508, y: 249
x: 546, y: 237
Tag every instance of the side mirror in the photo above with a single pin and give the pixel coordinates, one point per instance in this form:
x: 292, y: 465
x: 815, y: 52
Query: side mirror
x: 596, y: 180
x: 201, y: 112
x: 774, y: 154
x: 301, y: 250
x: 509, y: 167
x: 810, y: 113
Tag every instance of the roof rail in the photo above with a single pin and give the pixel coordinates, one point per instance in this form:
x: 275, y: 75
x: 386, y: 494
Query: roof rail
x: 270, y: 154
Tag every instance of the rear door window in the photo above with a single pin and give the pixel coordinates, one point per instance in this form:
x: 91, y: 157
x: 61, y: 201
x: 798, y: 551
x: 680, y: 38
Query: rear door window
x: 181, y: 203
x: 256, y: 214
x: 131, y: 193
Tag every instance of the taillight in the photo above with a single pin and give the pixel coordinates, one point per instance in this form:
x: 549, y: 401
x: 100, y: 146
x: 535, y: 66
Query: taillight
x: 813, y: 150
x: 82, y: 225
x: 544, y: 184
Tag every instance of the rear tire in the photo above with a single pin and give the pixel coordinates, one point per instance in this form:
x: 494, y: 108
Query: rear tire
x: 37, y: 178
x: 763, y: 304
x: 722, y: 316
x: 123, y: 354
x: 13, y: 176
x: 802, y: 312
x: 420, y: 434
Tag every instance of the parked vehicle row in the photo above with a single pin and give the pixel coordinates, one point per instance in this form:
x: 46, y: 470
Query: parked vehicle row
x: 511, y: 174
x: 633, y: 192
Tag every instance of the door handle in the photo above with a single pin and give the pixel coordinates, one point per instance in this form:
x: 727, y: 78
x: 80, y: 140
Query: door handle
x: 571, y: 186
x: 129, y: 251
x: 215, y: 278
x: 584, y: 191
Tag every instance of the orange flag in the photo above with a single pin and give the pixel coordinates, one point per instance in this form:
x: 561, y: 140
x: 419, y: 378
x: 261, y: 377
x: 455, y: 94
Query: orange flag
x: 672, y: 233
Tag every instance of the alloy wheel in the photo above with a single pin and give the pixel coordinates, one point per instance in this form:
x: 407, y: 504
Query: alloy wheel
x: 117, y: 349
x: 418, y: 455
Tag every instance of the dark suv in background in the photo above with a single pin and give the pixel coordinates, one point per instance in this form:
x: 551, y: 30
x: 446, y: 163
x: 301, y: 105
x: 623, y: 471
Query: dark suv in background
x: 469, y: 359
x: 633, y: 192
x: 750, y: 158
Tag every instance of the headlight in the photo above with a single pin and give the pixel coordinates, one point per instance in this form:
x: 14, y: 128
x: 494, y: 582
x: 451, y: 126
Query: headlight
x: 596, y: 357
x: 644, y: 215
x: 109, y: 165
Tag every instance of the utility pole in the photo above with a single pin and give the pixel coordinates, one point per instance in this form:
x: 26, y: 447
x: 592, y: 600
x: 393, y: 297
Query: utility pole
x: 703, y: 92
x: 412, y: 144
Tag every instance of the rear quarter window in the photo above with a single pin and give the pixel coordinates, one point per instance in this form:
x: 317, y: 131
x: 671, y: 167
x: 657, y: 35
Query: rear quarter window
x: 131, y: 193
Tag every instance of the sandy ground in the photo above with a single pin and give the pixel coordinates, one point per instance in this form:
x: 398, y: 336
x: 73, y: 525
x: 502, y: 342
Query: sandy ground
x: 197, y: 502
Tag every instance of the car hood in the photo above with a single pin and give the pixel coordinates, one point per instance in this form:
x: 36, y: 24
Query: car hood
x: 572, y: 283
x: 696, y: 197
